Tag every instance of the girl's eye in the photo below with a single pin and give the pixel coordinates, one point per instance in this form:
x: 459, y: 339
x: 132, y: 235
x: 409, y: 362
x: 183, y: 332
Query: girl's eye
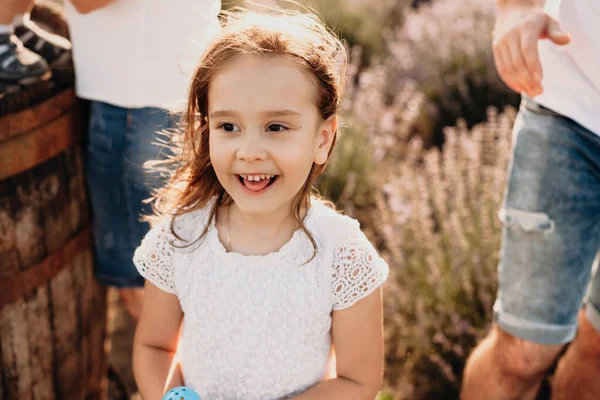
x: 229, y: 127
x: 277, y: 128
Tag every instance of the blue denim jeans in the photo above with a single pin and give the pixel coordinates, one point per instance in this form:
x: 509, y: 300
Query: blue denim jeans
x: 120, y: 141
x: 551, y: 232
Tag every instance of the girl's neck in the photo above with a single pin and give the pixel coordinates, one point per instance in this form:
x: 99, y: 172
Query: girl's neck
x: 263, y: 224
x: 255, y: 234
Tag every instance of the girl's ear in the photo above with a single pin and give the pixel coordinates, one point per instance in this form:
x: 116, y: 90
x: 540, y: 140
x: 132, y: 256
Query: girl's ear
x: 325, y: 137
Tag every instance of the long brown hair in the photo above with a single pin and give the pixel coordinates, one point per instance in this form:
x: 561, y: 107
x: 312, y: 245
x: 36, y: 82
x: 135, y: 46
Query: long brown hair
x: 297, y: 36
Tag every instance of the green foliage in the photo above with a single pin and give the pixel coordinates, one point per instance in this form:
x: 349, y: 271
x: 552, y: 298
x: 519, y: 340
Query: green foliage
x: 358, y: 22
x: 361, y: 23
x: 384, y: 396
x: 346, y: 180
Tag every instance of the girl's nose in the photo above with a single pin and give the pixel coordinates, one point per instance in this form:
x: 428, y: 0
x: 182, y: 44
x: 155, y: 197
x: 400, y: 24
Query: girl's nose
x: 251, y: 148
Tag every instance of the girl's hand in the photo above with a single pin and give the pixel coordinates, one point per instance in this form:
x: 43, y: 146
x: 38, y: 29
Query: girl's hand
x: 519, y: 26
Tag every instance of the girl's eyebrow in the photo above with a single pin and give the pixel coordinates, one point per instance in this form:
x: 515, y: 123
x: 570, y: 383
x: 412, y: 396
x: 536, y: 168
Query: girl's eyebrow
x: 280, y: 113
x: 222, y: 113
x: 273, y: 113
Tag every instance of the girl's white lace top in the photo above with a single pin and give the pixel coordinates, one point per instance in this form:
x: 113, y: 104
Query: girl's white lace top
x: 258, y: 327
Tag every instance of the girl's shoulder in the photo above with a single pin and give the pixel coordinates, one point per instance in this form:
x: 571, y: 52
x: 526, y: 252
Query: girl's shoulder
x: 192, y: 222
x: 356, y: 267
x: 170, y: 235
x: 185, y: 226
x: 329, y: 224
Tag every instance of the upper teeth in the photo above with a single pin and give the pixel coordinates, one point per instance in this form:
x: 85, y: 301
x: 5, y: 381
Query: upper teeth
x: 256, y: 177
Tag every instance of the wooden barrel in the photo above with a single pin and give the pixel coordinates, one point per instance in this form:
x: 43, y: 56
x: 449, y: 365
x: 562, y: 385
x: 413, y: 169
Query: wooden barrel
x: 52, y: 310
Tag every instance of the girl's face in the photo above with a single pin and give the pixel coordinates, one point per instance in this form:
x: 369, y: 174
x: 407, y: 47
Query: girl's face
x: 265, y: 131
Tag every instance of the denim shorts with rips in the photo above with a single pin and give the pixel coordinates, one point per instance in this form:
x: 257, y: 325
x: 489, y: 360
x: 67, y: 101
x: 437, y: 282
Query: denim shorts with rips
x: 120, y: 141
x: 551, y: 234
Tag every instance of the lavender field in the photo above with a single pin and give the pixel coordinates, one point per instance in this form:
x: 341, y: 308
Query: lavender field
x: 421, y: 163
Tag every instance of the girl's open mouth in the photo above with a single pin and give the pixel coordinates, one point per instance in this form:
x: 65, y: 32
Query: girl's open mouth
x: 257, y: 183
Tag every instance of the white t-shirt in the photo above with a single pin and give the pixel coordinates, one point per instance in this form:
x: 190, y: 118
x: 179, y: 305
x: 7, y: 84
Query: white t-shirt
x: 141, y: 53
x: 572, y: 72
x: 259, y: 327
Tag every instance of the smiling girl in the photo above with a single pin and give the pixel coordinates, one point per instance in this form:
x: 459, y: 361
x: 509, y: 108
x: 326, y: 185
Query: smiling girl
x: 251, y: 279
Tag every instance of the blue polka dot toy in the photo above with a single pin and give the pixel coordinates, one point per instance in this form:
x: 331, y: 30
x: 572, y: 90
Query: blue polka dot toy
x: 181, y: 393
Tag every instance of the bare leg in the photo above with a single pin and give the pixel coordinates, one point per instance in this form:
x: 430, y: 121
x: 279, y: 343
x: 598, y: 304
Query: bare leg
x: 503, y: 367
x: 132, y: 301
x: 8, y: 10
x: 23, y: 6
x: 578, y: 372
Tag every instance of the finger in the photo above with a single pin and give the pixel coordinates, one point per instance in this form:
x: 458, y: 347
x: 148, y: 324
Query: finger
x: 531, y: 57
x: 555, y: 34
x: 517, y: 64
x: 502, y: 61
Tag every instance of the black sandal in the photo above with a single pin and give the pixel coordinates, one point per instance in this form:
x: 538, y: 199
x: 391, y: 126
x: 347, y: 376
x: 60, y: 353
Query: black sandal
x: 19, y: 64
x: 55, y: 49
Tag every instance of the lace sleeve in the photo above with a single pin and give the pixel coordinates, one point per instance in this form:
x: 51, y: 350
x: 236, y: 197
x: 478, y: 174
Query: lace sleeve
x: 357, y: 272
x: 153, y: 258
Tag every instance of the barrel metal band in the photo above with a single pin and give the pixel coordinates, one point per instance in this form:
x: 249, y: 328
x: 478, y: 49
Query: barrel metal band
x: 22, y: 152
x: 24, y: 121
x: 26, y: 281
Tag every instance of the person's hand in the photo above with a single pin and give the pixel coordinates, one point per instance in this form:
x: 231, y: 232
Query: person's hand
x: 516, y: 33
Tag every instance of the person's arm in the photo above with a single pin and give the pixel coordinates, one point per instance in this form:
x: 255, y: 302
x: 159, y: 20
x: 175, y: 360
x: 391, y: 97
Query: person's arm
x: 520, y: 24
x: 155, y: 345
x: 87, y: 6
x: 357, y: 333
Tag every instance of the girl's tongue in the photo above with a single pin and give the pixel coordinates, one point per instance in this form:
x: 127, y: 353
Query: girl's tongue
x: 256, y: 186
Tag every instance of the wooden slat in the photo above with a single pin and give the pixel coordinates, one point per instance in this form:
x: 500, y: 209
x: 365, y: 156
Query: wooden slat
x: 39, y: 338
x: 54, y: 203
x: 28, y: 219
x: 31, y: 118
x: 1, y: 373
x: 15, y: 351
x: 79, y: 206
x: 66, y: 336
x: 9, y: 253
x: 82, y: 290
x: 25, y: 151
x: 2, y: 392
x: 16, y: 286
